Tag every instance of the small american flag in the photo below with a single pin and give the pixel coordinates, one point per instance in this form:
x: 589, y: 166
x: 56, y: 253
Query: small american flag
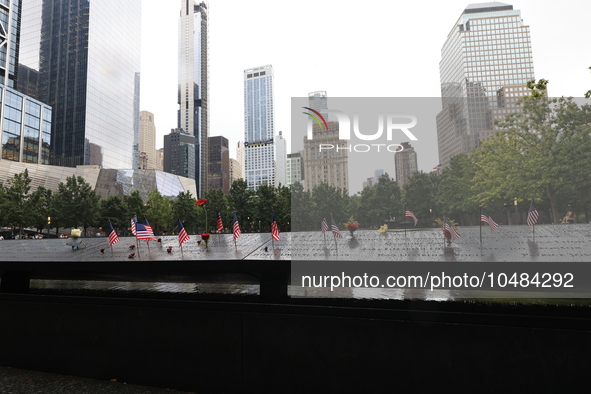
x: 409, y: 214
x: 335, y: 229
x: 532, y: 215
x: 447, y: 227
x: 183, y: 236
x: 274, y: 228
x: 324, y: 225
x: 219, y: 221
x: 113, y: 238
x: 133, y: 221
x: 236, y: 227
x: 485, y: 217
x: 149, y: 229
x: 438, y: 167
x: 141, y: 232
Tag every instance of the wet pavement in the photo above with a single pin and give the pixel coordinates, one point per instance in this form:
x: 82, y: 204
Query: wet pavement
x: 20, y: 381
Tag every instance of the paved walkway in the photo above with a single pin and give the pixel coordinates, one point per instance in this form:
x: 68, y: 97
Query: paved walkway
x: 20, y: 381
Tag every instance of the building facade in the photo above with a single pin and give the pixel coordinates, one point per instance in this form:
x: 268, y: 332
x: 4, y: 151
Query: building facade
x: 10, y: 20
x: 25, y: 123
x: 219, y: 164
x: 88, y: 59
x: 280, y: 160
x: 318, y: 101
x: 179, y: 154
x: 329, y: 166
x: 241, y: 158
x: 193, y: 95
x: 487, y: 52
x: 106, y: 182
x: 147, y: 141
x: 405, y: 162
x: 235, y: 171
x: 259, y: 127
x: 295, y: 168
x: 25, y: 128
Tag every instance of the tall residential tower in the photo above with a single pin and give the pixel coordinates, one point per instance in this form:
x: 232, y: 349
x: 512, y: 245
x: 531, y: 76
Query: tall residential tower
x: 193, y: 86
x: 486, y: 58
x: 259, y: 119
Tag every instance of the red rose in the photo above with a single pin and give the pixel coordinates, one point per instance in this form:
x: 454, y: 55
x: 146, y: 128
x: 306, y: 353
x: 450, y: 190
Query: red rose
x: 352, y: 227
x: 201, y: 202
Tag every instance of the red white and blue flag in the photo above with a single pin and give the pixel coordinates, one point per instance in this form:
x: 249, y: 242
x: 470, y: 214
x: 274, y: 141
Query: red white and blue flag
x: 485, y: 217
x: 448, y: 228
x: 149, y: 229
x: 113, y: 238
x: 335, y: 229
x: 133, y: 222
x: 141, y: 232
x: 532, y: 215
x: 324, y: 225
x: 409, y: 214
x: 219, y: 221
x: 183, y: 236
x: 236, y: 227
x: 274, y: 228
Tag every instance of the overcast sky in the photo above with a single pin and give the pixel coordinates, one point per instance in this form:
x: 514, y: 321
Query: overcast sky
x: 348, y: 48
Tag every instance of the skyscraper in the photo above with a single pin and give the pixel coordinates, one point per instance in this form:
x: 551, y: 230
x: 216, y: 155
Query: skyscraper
x: 486, y: 58
x: 329, y: 166
x: 259, y: 119
x: 318, y: 101
x: 405, y: 162
x: 193, y: 84
x: 25, y: 123
x: 179, y: 153
x: 219, y: 164
x: 9, y: 41
x: 147, y: 146
x: 87, y: 59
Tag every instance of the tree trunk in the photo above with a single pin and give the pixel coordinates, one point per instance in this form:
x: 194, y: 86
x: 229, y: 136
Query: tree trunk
x: 554, y: 206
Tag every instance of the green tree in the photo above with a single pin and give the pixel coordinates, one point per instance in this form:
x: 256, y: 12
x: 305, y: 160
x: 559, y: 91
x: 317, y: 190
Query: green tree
x: 16, y: 207
x: 327, y: 200
x: 113, y: 208
x: 159, y: 212
x: 215, y: 200
x: 379, y: 202
x: 455, y: 195
x: 134, y: 204
x: 76, y: 204
x: 183, y: 207
x: 40, y: 208
x: 531, y: 156
x: 420, y: 194
x: 240, y: 199
x: 301, y: 209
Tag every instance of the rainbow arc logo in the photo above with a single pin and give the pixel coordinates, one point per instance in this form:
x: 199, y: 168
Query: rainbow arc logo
x: 318, y: 118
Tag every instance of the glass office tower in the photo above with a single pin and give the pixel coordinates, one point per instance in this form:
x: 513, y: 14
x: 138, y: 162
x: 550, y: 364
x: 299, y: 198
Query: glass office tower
x: 486, y: 61
x: 9, y: 41
x: 87, y: 53
x: 193, y: 85
x: 259, y: 119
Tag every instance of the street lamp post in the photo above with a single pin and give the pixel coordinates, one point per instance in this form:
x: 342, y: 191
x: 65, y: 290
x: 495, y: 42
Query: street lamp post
x: 48, y: 225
